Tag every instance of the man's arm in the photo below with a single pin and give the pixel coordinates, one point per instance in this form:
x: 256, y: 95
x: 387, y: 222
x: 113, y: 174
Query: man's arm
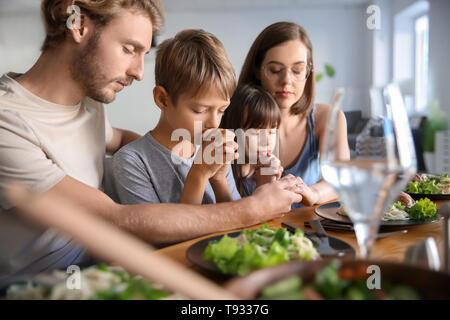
x: 168, y: 223
x: 120, y: 138
x: 22, y: 160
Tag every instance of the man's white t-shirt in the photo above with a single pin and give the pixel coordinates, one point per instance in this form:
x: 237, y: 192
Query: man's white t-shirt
x: 40, y: 143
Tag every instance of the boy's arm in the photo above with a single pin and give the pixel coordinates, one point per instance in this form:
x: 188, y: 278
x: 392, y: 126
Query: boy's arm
x: 221, y: 190
x: 235, y: 195
x: 194, y: 187
x: 224, y: 186
x: 202, y: 171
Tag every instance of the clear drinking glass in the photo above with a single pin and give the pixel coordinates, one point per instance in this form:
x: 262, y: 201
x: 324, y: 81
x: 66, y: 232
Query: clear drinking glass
x: 382, y: 159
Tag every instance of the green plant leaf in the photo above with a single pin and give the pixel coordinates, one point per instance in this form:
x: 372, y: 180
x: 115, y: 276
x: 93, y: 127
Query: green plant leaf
x: 437, y: 121
x: 329, y: 70
x: 319, y: 76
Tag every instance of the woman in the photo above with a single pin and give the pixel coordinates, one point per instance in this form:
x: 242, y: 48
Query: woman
x: 281, y: 61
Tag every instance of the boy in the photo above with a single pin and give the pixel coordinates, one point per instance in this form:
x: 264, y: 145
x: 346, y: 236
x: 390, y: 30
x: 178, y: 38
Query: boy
x: 194, y: 82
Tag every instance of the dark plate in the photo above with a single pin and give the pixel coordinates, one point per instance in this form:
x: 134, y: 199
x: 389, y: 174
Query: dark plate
x: 429, y: 284
x: 194, y: 252
x: 432, y: 197
x: 329, y: 211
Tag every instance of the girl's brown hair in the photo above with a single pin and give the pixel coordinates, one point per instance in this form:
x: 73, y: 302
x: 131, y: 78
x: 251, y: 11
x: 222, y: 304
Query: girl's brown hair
x: 270, y: 37
x: 101, y: 12
x: 250, y: 107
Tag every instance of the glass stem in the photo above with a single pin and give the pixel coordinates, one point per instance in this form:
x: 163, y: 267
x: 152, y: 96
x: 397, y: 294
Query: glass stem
x: 365, y: 235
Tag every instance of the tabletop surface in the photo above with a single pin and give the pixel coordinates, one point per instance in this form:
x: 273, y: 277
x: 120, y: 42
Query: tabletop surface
x: 391, y: 248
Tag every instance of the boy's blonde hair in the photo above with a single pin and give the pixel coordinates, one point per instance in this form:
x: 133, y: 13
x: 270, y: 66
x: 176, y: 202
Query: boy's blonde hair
x: 101, y: 12
x: 193, y: 61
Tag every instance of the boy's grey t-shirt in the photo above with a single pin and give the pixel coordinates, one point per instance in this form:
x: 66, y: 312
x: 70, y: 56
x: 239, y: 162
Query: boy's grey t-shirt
x: 143, y: 172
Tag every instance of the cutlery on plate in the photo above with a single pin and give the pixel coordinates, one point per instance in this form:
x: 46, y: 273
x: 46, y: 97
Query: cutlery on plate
x: 332, y: 225
x: 292, y: 227
x: 381, y: 235
x: 320, y: 231
x: 329, y: 225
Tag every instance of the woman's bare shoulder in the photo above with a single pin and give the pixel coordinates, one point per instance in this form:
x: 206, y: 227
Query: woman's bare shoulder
x: 322, y: 110
x: 321, y: 116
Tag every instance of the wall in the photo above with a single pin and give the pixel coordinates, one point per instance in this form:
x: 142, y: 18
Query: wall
x: 338, y: 32
x: 21, y: 34
x: 342, y: 41
x: 439, y: 87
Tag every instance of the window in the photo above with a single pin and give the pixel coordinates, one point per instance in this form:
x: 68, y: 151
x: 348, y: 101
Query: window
x: 421, y: 63
x: 410, y: 55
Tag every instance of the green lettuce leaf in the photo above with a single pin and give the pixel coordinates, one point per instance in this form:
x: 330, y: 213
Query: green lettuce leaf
x: 423, y: 210
x: 426, y: 187
x: 259, y: 248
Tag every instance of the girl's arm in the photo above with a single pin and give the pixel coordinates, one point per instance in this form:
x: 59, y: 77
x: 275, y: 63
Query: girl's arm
x: 269, y: 172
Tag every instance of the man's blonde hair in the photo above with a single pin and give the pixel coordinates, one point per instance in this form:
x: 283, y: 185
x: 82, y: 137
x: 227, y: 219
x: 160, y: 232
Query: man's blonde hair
x: 101, y: 12
x: 194, y: 61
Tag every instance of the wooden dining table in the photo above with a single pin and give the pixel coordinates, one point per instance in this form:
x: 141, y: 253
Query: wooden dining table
x: 391, y: 248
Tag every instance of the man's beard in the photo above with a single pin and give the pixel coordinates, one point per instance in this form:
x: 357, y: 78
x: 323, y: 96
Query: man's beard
x: 87, y: 72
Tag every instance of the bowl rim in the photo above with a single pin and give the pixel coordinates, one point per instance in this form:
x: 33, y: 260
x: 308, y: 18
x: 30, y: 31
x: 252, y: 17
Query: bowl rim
x: 249, y: 286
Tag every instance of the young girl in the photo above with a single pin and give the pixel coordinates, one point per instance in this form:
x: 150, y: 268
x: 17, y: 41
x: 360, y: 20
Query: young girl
x: 255, y: 117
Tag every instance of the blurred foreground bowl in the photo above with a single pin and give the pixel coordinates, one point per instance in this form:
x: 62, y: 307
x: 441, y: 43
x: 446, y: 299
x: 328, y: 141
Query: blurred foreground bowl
x: 428, y: 284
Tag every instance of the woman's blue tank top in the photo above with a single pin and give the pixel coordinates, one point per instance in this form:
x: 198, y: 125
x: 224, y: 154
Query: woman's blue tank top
x: 307, y: 166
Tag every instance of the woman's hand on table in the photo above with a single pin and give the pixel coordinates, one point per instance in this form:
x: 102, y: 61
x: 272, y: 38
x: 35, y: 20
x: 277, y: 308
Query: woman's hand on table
x: 309, y: 194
